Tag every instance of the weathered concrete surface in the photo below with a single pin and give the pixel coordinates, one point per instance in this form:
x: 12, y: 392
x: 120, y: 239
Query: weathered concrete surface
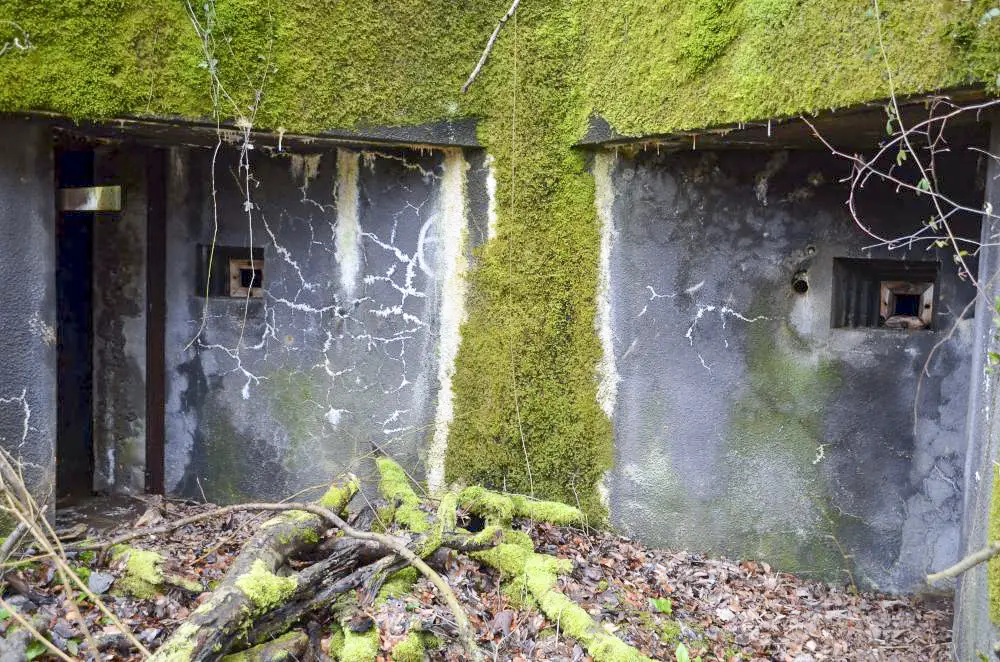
x: 279, y: 393
x: 744, y: 423
x: 119, y: 319
x: 27, y: 314
x: 974, y: 632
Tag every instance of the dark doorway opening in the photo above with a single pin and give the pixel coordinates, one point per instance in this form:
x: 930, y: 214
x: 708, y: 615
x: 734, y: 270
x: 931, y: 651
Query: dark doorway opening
x: 74, y: 269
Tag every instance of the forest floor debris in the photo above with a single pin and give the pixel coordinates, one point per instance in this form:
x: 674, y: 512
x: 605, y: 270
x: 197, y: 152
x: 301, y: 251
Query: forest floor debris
x: 650, y: 599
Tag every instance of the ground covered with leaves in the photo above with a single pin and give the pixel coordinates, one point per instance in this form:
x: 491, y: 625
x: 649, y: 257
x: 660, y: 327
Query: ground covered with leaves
x: 651, y: 599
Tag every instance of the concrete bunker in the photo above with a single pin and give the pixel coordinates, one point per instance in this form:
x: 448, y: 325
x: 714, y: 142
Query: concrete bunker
x: 226, y: 331
x: 788, y: 388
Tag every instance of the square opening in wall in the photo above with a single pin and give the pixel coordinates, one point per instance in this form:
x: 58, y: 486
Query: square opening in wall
x: 891, y: 294
x: 231, y: 271
x: 246, y: 278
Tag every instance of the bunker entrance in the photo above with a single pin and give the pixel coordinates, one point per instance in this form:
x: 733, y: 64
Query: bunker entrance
x: 74, y: 335
x: 110, y: 317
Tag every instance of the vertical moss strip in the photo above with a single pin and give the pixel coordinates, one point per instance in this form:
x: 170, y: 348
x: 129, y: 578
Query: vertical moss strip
x: 993, y: 568
x: 526, y: 394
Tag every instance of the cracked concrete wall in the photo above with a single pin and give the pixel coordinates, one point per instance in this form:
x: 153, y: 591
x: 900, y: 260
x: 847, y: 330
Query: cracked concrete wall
x: 119, y: 322
x: 744, y: 423
x: 976, y: 631
x: 28, y: 312
x: 342, y: 353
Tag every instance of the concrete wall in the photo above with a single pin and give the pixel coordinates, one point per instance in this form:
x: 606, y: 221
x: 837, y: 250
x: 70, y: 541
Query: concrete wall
x: 27, y: 314
x: 744, y: 423
x: 119, y: 319
x: 363, y: 254
x: 975, y: 632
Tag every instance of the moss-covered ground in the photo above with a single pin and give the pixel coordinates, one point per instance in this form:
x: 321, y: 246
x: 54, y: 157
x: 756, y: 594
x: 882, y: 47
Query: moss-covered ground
x: 525, y: 384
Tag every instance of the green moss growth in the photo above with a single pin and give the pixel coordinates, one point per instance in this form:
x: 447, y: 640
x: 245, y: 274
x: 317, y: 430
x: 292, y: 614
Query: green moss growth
x: 705, y: 29
x: 400, y: 583
x: 573, y: 619
x: 179, y: 647
x: 447, y: 513
x: 508, y: 559
x: 395, y: 487
x: 338, y: 496
x: 267, y: 652
x: 410, y: 649
x: 993, y: 566
x: 670, y: 632
x: 519, y: 539
x: 265, y: 589
x: 517, y: 593
x: 496, y: 508
x: 525, y: 391
x: 499, y: 509
x: 547, y: 511
x: 336, y: 640
x: 770, y: 58
x: 360, y: 647
x: 143, y: 576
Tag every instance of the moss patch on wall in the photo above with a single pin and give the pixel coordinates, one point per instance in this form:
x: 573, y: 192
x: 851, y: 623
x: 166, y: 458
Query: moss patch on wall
x: 993, y: 567
x: 525, y: 384
x: 777, y: 430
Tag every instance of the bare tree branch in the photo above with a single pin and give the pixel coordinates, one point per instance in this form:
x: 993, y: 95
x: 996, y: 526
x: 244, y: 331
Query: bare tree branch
x: 489, y: 45
x: 966, y: 564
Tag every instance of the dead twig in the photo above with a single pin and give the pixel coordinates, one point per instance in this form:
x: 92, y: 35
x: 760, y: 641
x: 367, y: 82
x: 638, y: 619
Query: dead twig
x: 489, y: 45
x: 966, y: 564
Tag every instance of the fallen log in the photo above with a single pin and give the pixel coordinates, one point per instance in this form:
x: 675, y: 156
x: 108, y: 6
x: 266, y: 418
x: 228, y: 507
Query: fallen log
x: 290, y: 646
x: 251, y: 586
x: 345, y: 570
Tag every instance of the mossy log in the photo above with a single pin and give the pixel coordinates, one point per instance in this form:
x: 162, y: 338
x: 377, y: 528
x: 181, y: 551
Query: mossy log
x: 147, y: 573
x: 261, y: 599
x: 290, y: 646
x: 251, y: 587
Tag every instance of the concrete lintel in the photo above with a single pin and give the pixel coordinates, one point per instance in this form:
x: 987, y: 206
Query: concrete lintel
x: 861, y: 125
x: 163, y: 131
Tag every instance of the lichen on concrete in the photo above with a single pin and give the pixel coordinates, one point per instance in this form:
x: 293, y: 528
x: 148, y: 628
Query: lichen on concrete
x: 777, y: 426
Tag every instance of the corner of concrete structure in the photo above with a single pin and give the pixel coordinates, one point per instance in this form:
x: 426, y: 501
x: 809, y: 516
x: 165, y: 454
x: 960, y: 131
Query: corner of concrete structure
x: 974, y: 631
x: 28, y: 312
